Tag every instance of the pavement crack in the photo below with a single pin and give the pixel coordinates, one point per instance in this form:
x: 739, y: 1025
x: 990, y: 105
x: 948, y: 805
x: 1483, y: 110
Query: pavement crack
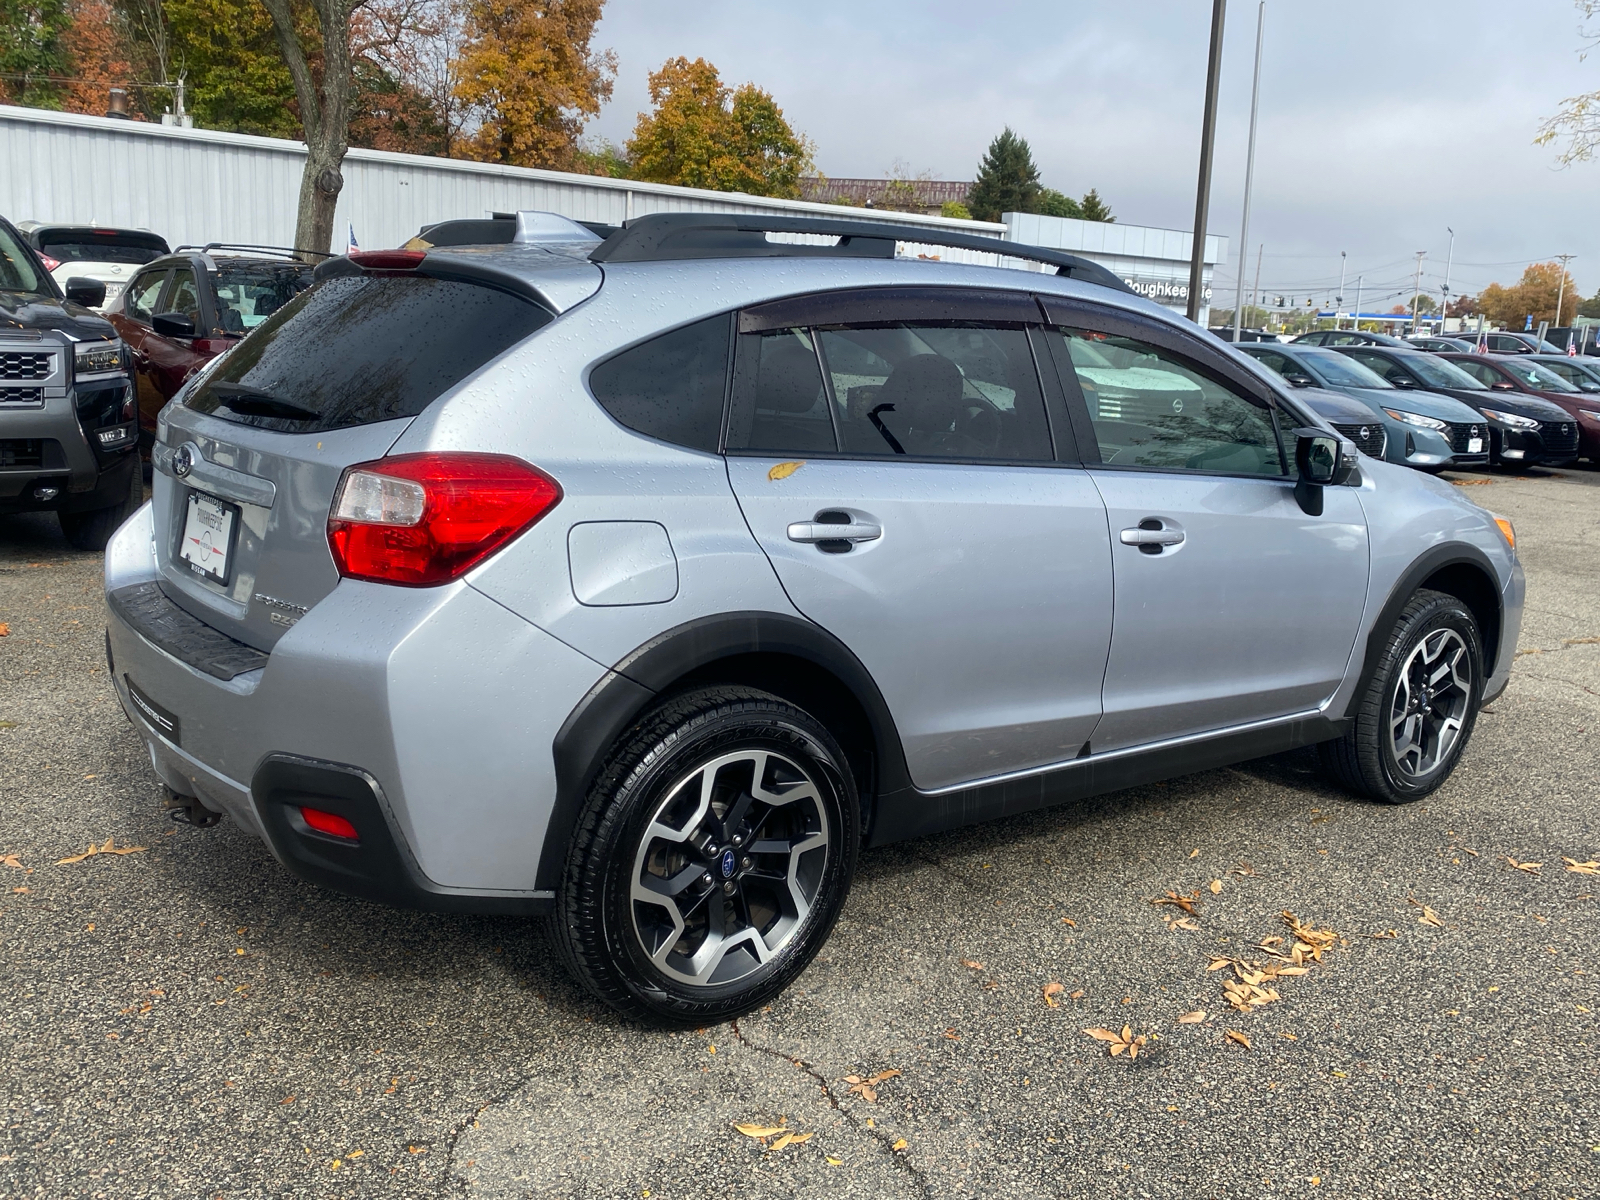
x: 448, y: 1178
x: 872, y: 1131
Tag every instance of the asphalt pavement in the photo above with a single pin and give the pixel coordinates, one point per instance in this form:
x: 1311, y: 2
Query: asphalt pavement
x: 188, y: 1019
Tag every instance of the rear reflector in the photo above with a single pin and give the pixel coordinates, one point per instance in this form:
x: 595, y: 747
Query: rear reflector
x: 329, y: 823
x: 423, y: 519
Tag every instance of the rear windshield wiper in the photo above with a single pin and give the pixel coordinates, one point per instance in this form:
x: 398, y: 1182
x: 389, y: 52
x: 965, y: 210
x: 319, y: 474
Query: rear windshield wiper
x: 254, y: 402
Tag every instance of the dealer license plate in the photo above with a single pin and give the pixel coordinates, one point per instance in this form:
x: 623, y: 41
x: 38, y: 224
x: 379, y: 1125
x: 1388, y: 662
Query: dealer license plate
x: 1474, y: 445
x: 208, y: 536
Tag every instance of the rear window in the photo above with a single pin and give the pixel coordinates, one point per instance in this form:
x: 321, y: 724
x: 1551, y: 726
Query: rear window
x: 358, y: 349
x: 670, y: 387
x: 77, y: 246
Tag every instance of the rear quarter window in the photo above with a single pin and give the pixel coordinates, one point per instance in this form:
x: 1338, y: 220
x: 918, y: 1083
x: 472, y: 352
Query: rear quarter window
x: 670, y: 388
x: 357, y: 349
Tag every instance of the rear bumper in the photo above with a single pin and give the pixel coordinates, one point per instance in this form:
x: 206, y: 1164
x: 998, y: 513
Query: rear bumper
x: 441, y: 704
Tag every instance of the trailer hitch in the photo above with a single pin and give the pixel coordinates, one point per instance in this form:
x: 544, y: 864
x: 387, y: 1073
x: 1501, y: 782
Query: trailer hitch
x: 188, y: 810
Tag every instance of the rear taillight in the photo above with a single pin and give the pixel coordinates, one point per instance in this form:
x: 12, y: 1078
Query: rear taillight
x: 424, y: 519
x: 50, y: 264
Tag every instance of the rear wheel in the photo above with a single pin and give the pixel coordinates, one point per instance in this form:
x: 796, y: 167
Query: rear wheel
x: 1417, y: 712
x: 92, y: 530
x: 711, y: 859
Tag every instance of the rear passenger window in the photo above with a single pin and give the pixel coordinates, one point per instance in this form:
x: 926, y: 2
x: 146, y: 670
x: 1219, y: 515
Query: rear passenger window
x: 952, y: 390
x: 1151, y: 408
x: 672, y: 386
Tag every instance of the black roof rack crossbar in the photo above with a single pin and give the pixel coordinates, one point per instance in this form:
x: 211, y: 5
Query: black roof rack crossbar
x: 661, y: 237
x: 287, y: 251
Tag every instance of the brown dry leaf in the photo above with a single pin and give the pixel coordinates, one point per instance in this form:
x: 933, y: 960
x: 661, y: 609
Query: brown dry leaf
x: 1051, y: 991
x: 1243, y: 868
x: 1573, y: 865
x: 77, y: 858
x: 1531, y: 868
x: 11, y: 860
x: 868, y: 1088
x: 1077, y: 995
x: 952, y: 1034
x: 1384, y: 936
x: 900, y: 1144
x: 1104, y: 1035
x: 1069, y: 921
x: 758, y: 1131
x: 1233, y: 1035
x: 1195, y: 853
x: 1117, y: 1043
x: 784, y: 469
x: 1183, y: 923
x: 1216, y: 887
x: 1429, y: 917
x: 1187, y: 903
x: 5, y: 630
x: 1217, y: 963
x: 1192, y: 1018
x: 1291, y: 970
x: 785, y: 1140
x: 972, y: 964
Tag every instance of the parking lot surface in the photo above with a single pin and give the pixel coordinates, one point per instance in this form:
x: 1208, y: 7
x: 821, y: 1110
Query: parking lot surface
x: 188, y: 1019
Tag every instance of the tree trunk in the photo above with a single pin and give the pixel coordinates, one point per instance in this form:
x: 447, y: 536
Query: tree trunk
x: 320, y: 184
x: 325, y: 117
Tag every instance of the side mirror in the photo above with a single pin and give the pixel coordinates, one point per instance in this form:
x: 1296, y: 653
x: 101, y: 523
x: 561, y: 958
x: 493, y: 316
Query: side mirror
x: 173, y: 325
x: 1320, y: 461
x: 1503, y: 385
x: 1401, y: 381
x: 1298, y: 380
x: 90, y: 293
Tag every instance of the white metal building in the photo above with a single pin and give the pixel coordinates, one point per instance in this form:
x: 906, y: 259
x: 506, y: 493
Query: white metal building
x: 194, y: 186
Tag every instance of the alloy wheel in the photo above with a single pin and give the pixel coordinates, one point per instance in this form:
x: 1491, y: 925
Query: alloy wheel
x: 729, y: 867
x: 1430, y: 705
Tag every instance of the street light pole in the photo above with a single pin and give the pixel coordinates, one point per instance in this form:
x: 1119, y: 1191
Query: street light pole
x: 1357, y: 323
x: 1448, y: 263
x: 1416, y: 293
x: 1561, y: 291
x: 1249, y: 173
x: 1208, y: 137
x: 1338, y: 301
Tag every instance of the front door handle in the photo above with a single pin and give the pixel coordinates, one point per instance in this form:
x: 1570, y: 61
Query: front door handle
x: 819, y: 531
x: 1151, y: 537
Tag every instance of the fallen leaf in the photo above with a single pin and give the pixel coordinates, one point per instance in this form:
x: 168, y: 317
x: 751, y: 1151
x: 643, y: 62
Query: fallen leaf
x: 1051, y: 991
x: 1195, y: 853
x: 952, y: 1034
x: 1429, y: 917
x: 1183, y: 923
x: 1244, y: 868
x: 1069, y: 921
x: 1104, y: 1035
x: 867, y: 1088
x: 355, y: 1154
x: 1216, y: 887
x: 1573, y: 865
x: 1233, y: 1035
x: 11, y: 860
x: 1192, y: 1018
x: 17, y: 891
x: 1077, y: 995
x: 785, y: 1140
x: 1217, y: 963
x: 900, y: 1144
x: 752, y: 1130
x: 1187, y: 903
x: 835, y: 1162
x: 972, y: 964
x: 1117, y: 1043
x: 5, y: 630
x: 784, y: 469
x: 1532, y: 868
x: 1385, y: 935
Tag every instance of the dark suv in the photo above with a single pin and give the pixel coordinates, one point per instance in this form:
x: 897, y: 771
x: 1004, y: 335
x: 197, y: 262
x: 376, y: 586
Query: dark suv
x: 67, y: 428
x: 185, y: 308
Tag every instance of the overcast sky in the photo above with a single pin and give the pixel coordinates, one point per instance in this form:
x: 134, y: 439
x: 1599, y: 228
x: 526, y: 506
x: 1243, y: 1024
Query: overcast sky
x: 1381, y: 123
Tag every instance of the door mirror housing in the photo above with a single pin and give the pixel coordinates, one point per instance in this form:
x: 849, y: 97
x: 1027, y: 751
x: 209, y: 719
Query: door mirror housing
x: 173, y: 325
x: 1321, y: 460
x: 1402, y: 381
x: 1503, y: 385
x: 90, y: 293
x: 1295, y: 379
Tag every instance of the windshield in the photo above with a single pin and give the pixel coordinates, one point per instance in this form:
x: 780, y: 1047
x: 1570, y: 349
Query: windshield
x: 247, y: 296
x: 1340, y: 371
x: 17, y: 272
x: 78, y: 245
x: 1535, y: 375
x: 1436, y: 372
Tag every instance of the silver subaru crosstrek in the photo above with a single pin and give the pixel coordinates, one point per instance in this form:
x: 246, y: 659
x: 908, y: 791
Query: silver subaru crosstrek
x: 640, y: 583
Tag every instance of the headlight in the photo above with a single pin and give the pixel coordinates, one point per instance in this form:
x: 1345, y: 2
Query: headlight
x: 97, y: 358
x: 1509, y: 419
x: 1417, y: 419
x: 1590, y: 413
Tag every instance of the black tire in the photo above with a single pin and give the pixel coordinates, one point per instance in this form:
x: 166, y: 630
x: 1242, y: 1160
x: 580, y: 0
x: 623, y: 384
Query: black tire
x: 1394, y: 758
x: 92, y: 530
x: 642, y: 828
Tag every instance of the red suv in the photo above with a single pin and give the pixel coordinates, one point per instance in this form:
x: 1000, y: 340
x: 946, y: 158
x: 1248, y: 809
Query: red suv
x: 183, y: 309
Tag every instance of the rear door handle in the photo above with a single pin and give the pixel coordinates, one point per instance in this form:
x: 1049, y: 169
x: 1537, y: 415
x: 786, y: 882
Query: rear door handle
x: 1151, y: 537
x: 817, y: 531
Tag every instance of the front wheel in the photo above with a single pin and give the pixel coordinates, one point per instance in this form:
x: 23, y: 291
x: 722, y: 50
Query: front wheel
x: 1416, y: 713
x: 711, y: 859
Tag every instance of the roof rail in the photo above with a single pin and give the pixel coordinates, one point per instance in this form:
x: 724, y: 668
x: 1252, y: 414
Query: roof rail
x: 286, y: 251
x: 661, y: 237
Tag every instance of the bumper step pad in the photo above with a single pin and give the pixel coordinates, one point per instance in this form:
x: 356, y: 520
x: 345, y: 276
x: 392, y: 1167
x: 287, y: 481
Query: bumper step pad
x: 187, y: 638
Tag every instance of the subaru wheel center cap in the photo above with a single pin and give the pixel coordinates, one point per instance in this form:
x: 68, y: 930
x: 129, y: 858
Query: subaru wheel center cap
x: 728, y: 863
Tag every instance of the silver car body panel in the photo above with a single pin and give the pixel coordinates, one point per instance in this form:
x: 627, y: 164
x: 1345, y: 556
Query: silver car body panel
x: 452, y: 697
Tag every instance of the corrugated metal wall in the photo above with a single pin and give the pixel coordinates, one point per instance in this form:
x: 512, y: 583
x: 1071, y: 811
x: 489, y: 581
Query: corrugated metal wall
x: 198, y: 185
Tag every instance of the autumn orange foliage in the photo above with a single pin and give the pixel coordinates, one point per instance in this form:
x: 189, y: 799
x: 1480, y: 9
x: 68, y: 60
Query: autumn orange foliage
x: 99, y: 61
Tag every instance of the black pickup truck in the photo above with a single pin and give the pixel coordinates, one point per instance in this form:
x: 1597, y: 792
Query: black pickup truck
x: 69, y: 431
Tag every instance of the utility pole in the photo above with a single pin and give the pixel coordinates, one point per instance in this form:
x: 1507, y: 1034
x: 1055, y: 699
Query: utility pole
x: 1338, y: 302
x: 1255, y: 289
x: 1357, y: 323
x: 1561, y: 290
x: 1416, y: 293
x: 1249, y: 172
x: 1208, y: 137
x: 1448, y: 263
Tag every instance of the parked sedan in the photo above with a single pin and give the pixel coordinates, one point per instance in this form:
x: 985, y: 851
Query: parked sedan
x: 1528, y: 376
x: 184, y: 309
x: 1345, y: 337
x: 91, y: 252
x: 1441, y: 345
x: 1582, y: 372
x: 1425, y: 430
x: 1522, y: 428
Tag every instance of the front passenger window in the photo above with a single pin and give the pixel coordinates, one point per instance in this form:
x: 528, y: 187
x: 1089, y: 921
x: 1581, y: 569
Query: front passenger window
x: 142, y: 296
x: 1151, y: 408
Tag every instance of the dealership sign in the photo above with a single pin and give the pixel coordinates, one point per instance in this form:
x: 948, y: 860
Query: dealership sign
x: 1162, y: 291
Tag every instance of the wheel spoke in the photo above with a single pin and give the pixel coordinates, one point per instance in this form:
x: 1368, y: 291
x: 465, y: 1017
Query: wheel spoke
x: 1432, y: 697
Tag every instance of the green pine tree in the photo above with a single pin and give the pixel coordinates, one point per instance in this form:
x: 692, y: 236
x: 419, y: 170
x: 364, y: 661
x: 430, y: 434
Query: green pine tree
x: 1008, y: 180
x: 1096, y: 209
